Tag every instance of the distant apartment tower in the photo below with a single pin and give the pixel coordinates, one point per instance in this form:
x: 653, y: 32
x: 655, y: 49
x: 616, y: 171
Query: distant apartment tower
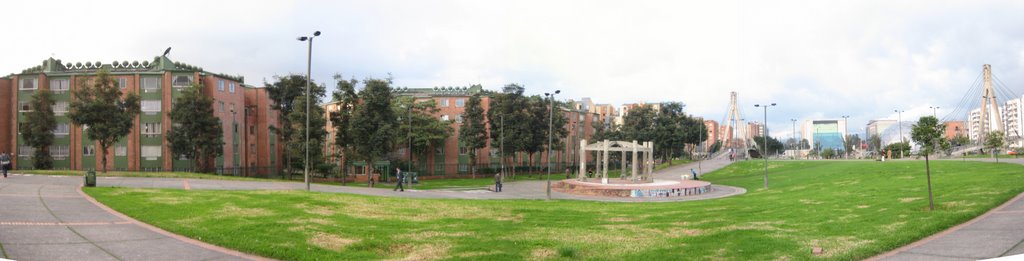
x: 824, y: 133
x: 244, y: 112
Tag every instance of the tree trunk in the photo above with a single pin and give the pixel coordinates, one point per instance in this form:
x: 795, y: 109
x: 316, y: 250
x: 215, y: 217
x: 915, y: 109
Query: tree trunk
x: 472, y: 163
x: 928, y: 171
x: 103, y: 161
x: 369, y: 174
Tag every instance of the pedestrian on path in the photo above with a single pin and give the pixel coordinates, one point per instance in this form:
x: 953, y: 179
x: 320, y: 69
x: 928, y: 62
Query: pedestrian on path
x: 5, y: 162
x: 694, y: 174
x: 401, y: 177
x: 497, y: 182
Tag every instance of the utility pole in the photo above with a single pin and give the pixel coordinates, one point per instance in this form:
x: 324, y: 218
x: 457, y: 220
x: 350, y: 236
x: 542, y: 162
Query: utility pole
x: 764, y: 143
x: 846, y: 136
x: 796, y: 143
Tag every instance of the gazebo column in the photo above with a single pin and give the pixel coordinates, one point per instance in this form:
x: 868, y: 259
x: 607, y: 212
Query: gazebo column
x: 604, y: 162
x: 583, y: 161
x: 635, y: 165
x: 650, y: 158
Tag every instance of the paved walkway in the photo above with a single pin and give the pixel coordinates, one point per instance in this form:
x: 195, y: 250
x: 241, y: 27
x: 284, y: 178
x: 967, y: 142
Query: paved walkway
x: 48, y: 218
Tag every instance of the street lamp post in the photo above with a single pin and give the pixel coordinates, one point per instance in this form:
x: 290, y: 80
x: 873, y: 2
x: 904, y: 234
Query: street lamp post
x: 502, y: 144
x: 846, y: 135
x: 764, y: 143
x: 309, y: 69
x: 551, y: 113
x: 899, y: 121
x: 934, y: 109
x: 234, y: 143
x: 796, y: 143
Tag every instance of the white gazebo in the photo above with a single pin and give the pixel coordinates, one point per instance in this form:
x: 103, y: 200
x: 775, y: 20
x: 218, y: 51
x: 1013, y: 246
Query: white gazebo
x: 603, y: 147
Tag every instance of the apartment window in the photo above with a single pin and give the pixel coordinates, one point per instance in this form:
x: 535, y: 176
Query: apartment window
x: 151, y: 152
x: 24, y: 106
x: 182, y: 81
x: 62, y: 129
x: 28, y: 84
x: 463, y: 167
x: 231, y: 87
x: 60, y: 85
x: 444, y: 117
x: 220, y: 85
x: 252, y: 129
x: 221, y: 106
x: 150, y: 106
x: 458, y: 118
x: 26, y: 151
x: 460, y: 102
x: 122, y: 82
x: 235, y: 128
x: 252, y: 148
x: 463, y: 150
x: 60, y: 108
x: 89, y: 150
x: 150, y: 84
x: 443, y: 102
x: 121, y: 150
x: 60, y: 151
x: 151, y: 128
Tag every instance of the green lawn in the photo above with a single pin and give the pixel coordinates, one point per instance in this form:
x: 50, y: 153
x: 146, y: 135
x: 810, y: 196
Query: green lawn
x: 853, y: 210
x: 185, y: 175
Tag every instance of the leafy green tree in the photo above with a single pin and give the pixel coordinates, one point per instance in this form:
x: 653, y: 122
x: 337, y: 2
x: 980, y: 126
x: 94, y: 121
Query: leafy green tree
x: 669, y: 132
x: 512, y: 109
x: 804, y: 144
x: 994, y: 141
x: 639, y: 124
x: 108, y: 113
x: 960, y: 140
x: 38, y: 128
x: 374, y: 122
x: 774, y: 145
x: 196, y: 133
x: 875, y: 142
x: 345, y: 94
x: 895, y: 148
x: 927, y: 133
x: 850, y: 143
x: 694, y: 131
x: 828, y: 153
x: 425, y: 131
x: 283, y: 93
x: 297, y: 143
x: 473, y: 132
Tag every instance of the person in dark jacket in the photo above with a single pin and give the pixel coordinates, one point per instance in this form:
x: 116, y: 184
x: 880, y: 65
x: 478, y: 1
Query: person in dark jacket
x: 497, y: 182
x: 5, y: 162
x: 401, y: 177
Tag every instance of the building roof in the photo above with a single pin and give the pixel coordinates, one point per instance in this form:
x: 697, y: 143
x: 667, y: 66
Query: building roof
x: 158, y: 64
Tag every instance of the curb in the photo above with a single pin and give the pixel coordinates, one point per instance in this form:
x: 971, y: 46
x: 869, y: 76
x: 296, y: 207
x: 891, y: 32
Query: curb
x: 187, y: 240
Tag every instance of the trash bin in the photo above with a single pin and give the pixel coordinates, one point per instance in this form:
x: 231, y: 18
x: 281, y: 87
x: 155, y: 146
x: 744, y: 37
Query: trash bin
x: 90, y: 178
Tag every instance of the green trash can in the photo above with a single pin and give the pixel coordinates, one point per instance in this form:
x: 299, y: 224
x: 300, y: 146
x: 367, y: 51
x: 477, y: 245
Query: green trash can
x: 90, y: 178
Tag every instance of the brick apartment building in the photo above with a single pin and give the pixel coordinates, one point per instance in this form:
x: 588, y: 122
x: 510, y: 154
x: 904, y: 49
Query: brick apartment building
x: 244, y: 111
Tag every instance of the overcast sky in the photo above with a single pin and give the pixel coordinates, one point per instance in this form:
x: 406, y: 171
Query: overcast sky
x: 816, y: 59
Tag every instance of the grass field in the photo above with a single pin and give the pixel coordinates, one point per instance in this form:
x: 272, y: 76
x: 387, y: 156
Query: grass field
x: 852, y: 210
x: 185, y: 175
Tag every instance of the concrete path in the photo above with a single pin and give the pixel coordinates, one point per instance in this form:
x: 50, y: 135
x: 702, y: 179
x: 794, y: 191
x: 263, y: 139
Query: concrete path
x: 997, y: 233
x: 47, y: 218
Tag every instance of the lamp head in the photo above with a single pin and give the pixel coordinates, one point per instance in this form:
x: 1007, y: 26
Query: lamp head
x: 303, y: 38
x: 317, y: 33
x: 558, y: 91
x: 757, y: 105
x: 773, y: 104
x: 547, y: 94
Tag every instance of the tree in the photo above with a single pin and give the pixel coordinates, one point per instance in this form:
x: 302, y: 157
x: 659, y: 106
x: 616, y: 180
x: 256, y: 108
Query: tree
x: 298, y: 142
x: 694, y: 131
x: 38, y: 128
x: 927, y: 133
x: 875, y: 142
x: 512, y: 108
x: 804, y: 144
x: 109, y: 114
x: 669, y: 133
x: 994, y: 141
x: 347, y: 97
x: 426, y: 130
x: 196, y: 133
x: 774, y: 145
x: 540, y: 127
x: 473, y: 132
x: 828, y: 153
x: 283, y: 94
x: 374, y: 123
x: 895, y: 148
x: 960, y: 140
x: 850, y: 143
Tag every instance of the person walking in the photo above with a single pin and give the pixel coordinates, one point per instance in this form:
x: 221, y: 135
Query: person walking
x: 694, y: 174
x: 497, y: 182
x: 5, y: 162
x: 401, y: 177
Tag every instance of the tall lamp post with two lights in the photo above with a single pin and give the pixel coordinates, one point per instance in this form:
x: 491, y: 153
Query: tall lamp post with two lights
x: 764, y: 143
x: 309, y: 69
x: 551, y: 113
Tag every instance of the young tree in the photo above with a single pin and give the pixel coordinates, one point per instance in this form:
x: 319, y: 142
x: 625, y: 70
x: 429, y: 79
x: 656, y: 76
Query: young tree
x: 108, y: 113
x: 669, y: 133
x: 374, y: 122
x: 994, y: 141
x: 298, y: 142
x: 38, y: 128
x: 346, y: 95
x: 546, y: 123
x: 196, y: 133
x: 927, y: 133
x: 283, y: 94
x: 473, y: 132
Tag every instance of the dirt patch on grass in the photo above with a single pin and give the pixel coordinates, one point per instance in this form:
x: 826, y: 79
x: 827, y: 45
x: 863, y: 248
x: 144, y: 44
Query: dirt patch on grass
x: 542, y: 254
x: 304, y: 221
x: 316, y: 210
x: 763, y: 225
x: 411, y: 210
x: 429, y: 235
x: 476, y: 254
x: 330, y: 241
x: 420, y: 252
x: 810, y: 202
x: 908, y: 200
x: 863, y: 206
x: 958, y: 204
x: 230, y: 210
x: 893, y: 226
x: 132, y: 190
x: 170, y: 200
x: 833, y: 246
x: 620, y: 219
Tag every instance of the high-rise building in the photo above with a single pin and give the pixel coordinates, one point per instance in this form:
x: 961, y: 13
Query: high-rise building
x: 244, y: 112
x: 822, y: 134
